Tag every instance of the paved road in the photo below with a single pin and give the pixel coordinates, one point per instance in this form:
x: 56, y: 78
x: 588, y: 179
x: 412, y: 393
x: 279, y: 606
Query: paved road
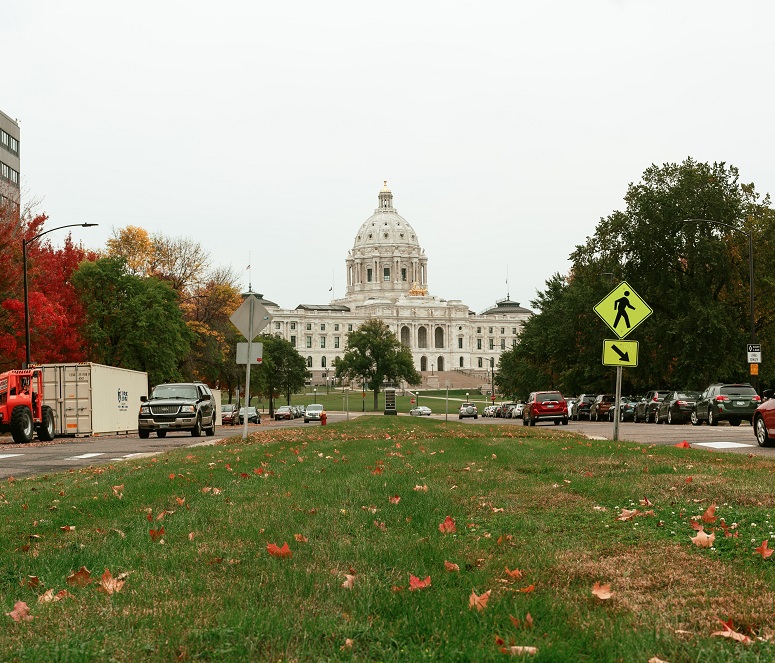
x: 69, y: 453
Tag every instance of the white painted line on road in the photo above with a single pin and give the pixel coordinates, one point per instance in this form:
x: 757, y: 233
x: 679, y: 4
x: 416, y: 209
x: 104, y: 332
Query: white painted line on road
x: 10, y: 455
x: 721, y: 445
x: 82, y: 456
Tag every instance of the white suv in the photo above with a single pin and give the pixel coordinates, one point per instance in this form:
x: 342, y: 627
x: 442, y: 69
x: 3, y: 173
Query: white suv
x: 468, y: 410
x: 313, y: 412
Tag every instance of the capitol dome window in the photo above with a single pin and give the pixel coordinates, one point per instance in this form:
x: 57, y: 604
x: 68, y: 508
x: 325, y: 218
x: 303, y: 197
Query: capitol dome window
x: 386, y: 274
x: 403, y: 273
x: 369, y: 274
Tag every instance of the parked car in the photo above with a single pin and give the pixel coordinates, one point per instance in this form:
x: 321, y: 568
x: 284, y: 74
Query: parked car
x: 420, y: 411
x: 489, y: 411
x: 313, y: 412
x: 254, y: 416
x: 298, y: 411
x: 545, y: 406
x: 581, y: 409
x: 676, y: 407
x: 502, y: 410
x: 468, y: 410
x: 626, y: 409
x: 181, y: 406
x: 647, y: 406
x: 730, y: 402
x: 229, y: 413
x: 571, y: 403
x: 764, y: 420
x: 516, y: 412
x: 283, y: 412
x: 600, y: 406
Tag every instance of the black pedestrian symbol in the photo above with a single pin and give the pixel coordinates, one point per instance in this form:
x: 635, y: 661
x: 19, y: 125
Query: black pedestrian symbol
x: 621, y: 305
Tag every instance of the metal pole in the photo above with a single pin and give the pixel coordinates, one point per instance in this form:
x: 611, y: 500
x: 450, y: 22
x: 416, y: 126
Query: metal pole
x: 752, y: 313
x: 26, y: 306
x: 247, y: 372
x: 616, y: 402
x: 446, y: 405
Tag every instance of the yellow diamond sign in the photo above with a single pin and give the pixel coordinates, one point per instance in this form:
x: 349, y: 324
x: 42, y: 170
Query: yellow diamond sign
x: 622, y: 309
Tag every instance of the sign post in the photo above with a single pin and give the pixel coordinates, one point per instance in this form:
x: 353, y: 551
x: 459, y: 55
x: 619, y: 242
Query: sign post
x: 250, y: 318
x: 622, y: 310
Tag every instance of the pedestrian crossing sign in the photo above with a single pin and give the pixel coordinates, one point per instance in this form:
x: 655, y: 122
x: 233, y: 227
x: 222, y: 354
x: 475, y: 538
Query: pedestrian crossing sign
x: 622, y: 309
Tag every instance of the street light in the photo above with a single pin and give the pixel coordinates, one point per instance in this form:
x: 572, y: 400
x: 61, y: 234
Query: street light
x: 25, y: 242
x: 315, y: 394
x: 750, y: 268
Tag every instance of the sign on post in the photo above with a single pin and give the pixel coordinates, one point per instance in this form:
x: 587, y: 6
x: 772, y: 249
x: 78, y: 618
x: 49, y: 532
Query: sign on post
x: 622, y: 309
x: 754, y: 354
x: 620, y: 353
x: 256, y: 353
x: 241, y: 318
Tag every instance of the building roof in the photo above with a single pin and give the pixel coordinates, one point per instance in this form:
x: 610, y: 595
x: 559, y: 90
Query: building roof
x: 505, y: 306
x: 386, y: 227
x: 323, y: 307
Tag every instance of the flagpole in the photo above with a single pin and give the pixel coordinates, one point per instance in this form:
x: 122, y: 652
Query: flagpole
x: 250, y: 278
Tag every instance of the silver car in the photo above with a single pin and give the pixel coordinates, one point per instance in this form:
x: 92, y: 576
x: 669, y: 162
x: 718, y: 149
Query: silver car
x: 468, y: 410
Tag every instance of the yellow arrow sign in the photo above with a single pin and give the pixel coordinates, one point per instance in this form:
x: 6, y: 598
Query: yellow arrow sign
x: 620, y: 353
x: 622, y: 309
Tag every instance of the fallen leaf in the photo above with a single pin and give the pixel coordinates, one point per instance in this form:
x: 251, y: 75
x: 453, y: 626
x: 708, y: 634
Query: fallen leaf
x: 728, y: 632
x: 348, y: 643
x: 654, y: 659
x: 80, y: 578
x: 68, y: 528
x: 710, y: 514
x: 448, y: 525
x: 20, y: 612
x: 528, y: 589
x: 478, y: 601
x: 282, y: 552
x: 646, y: 502
x: 683, y: 445
x: 449, y: 566
x: 110, y: 585
x: 156, y: 534
x: 703, y: 539
x: 763, y: 550
x: 516, y: 573
x: 516, y: 650
x: 395, y: 499
x: 517, y: 624
x: 34, y: 581
x: 349, y: 579
x: 603, y: 592
x: 423, y: 488
x: 415, y: 583
x: 300, y: 538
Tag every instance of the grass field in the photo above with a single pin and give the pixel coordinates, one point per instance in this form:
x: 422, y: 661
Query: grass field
x: 407, y: 540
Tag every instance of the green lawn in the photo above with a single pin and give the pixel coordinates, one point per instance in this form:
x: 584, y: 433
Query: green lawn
x: 529, y: 518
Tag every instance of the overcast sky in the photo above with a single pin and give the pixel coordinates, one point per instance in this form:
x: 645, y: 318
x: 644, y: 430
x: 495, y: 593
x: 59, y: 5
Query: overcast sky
x: 505, y: 130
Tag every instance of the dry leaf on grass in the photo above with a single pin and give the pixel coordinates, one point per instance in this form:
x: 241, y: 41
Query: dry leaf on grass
x: 448, y: 525
x: 80, y: 578
x: 729, y: 632
x: 703, y: 539
x: 281, y: 552
x: 515, y: 650
x: 415, y: 583
x: 479, y: 601
x: 449, y: 566
x: 349, y: 580
x: 603, y: 592
x: 763, y: 550
x: 20, y: 612
x: 110, y: 585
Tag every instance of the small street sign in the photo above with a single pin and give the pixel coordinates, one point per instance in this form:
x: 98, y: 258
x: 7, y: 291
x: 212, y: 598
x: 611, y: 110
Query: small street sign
x: 620, y: 353
x: 241, y: 317
x: 754, y: 369
x: 622, y: 310
x: 754, y: 354
x: 257, y: 354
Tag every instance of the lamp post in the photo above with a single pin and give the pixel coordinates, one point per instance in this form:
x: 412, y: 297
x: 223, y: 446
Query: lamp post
x: 752, y: 318
x: 315, y: 394
x: 25, y: 243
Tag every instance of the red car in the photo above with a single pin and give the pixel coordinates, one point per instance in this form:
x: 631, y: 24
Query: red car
x: 764, y: 420
x: 545, y: 406
x: 283, y: 412
x: 229, y: 414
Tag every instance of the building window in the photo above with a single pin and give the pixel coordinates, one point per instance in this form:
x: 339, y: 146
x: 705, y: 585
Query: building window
x: 490, y: 330
x: 369, y: 275
x: 293, y: 326
x: 479, y: 361
x: 492, y: 344
x: 277, y: 325
x: 309, y: 341
x: 309, y: 326
x: 503, y: 344
x: 403, y: 273
x: 322, y: 341
x: 461, y: 362
x: 309, y: 362
x: 503, y: 330
x: 460, y: 343
x: 514, y: 343
x: 322, y: 362
x: 349, y: 327
x: 478, y: 343
x: 336, y: 327
x: 513, y: 330
x: 323, y: 326
x: 336, y: 341
x: 478, y: 330
x: 386, y: 274
x: 293, y: 341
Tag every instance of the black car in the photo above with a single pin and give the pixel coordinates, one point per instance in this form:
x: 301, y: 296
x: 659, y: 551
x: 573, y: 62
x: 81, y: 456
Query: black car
x: 582, y: 407
x: 676, y: 407
x: 180, y: 406
x: 647, y: 406
x: 730, y: 402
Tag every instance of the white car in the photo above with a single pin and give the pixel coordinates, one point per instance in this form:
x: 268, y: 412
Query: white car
x: 516, y: 412
x: 313, y: 412
x: 468, y: 410
x: 420, y: 411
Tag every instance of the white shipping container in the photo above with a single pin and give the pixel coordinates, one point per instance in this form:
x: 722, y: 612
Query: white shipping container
x: 93, y: 399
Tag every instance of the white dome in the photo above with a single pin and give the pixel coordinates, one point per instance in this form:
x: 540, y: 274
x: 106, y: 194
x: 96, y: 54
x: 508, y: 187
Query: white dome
x: 386, y: 227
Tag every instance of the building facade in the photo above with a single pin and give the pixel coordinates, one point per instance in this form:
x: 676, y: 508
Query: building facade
x: 387, y: 278
x: 9, y: 161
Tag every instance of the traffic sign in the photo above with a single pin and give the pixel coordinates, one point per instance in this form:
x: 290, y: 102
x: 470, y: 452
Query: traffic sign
x: 241, y: 318
x: 257, y: 353
x: 754, y: 354
x: 622, y: 310
x: 620, y: 353
x: 754, y: 369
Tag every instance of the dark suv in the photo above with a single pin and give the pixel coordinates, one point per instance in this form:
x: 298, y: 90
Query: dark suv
x: 581, y: 409
x: 181, y: 406
x: 646, y: 409
x: 733, y: 402
x: 545, y: 406
x: 599, y: 409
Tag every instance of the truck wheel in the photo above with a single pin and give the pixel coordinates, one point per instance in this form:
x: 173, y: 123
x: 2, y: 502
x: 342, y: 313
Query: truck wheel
x: 211, y: 429
x: 143, y: 434
x: 46, y: 426
x: 196, y: 431
x: 21, y: 424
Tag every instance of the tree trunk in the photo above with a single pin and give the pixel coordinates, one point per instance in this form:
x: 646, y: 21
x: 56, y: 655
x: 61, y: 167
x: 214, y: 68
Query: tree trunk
x: 376, y: 399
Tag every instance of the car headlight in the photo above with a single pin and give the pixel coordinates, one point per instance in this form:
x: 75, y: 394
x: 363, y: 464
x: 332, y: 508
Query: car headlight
x: 144, y: 409
x: 187, y: 409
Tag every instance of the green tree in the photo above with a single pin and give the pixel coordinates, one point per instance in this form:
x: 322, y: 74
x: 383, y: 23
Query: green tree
x: 282, y: 370
x: 374, y: 354
x: 132, y: 322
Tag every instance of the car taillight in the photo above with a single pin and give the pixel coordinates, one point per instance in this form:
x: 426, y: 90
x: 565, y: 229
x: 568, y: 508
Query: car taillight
x: 757, y: 399
x: 680, y: 403
x: 722, y: 399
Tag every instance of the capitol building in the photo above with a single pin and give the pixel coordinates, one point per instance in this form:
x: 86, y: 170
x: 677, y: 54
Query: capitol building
x: 387, y: 278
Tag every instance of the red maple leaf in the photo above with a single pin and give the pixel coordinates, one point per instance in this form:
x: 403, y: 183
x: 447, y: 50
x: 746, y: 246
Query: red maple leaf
x: 80, y: 578
x: 395, y: 499
x: 683, y: 445
x: 156, y: 534
x: 282, y: 552
x: 763, y: 550
x: 20, y: 612
x: 448, y: 525
x: 479, y: 601
x: 710, y: 514
x: 415, y: 583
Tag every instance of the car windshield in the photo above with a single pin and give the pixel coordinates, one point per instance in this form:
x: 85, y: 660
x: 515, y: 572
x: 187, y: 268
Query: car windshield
x: 687, y: 395
x: 174, y: 391
x: 738, y: 390
x: 554, y: 396
x: 314, y: 408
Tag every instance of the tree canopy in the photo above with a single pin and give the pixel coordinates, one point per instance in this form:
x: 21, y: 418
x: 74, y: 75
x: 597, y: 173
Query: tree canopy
x: 375, y: 355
